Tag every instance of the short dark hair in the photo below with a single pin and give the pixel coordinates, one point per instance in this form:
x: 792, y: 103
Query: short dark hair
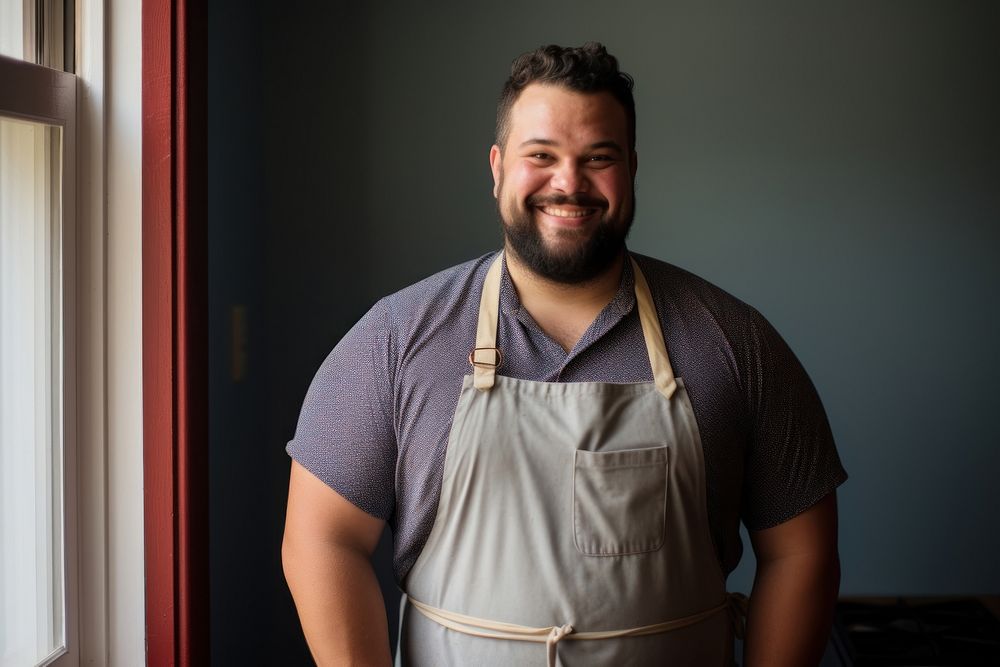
x: 585, y: 69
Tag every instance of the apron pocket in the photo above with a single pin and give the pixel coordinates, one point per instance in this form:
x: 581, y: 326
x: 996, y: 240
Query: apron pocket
x: 619, y: 501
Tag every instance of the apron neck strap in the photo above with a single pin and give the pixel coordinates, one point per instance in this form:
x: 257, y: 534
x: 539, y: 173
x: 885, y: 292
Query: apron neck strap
x: 486, y: 357
x: 656, y: 347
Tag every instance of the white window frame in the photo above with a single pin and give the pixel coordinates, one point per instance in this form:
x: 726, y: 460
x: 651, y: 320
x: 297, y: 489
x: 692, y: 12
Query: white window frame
x: 43, y: 95
x: 112, y: 590
x: 105, y: 588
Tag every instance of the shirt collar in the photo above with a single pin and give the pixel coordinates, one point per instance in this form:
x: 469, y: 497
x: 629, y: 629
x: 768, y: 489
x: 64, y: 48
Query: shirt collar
x: 620, y: 305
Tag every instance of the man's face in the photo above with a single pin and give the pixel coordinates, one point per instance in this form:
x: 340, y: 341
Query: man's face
x: 564, y: 182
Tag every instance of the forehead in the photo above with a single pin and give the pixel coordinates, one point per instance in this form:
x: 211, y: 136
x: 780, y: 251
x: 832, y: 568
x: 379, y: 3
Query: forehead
x: 556, y: 113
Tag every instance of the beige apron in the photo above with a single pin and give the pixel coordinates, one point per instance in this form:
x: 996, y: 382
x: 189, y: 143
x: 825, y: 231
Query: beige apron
x: 571, y: 515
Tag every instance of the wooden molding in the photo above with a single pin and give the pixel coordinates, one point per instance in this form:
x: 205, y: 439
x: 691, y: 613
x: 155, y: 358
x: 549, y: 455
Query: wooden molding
x: 174, y: 331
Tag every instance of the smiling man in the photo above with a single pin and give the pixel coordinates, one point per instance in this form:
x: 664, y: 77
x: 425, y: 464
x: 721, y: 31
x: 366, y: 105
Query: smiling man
x: 564, y: 436
x: 567, y: 203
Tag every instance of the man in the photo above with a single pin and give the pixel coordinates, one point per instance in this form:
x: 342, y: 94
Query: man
x: 563, y: 436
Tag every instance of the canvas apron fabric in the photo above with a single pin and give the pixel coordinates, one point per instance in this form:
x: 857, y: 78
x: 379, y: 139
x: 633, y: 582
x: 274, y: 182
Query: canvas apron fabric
x: 572, y: 526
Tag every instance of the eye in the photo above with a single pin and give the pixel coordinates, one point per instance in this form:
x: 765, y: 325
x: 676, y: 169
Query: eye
x: 540, y: 156
x: 600, y: 161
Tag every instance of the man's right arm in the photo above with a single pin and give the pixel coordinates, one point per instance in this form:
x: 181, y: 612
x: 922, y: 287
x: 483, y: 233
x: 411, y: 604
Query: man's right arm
x: 326, y: 555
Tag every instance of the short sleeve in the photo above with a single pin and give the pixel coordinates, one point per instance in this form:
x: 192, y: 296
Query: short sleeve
x: 345, y: 434
x: 791, y: 459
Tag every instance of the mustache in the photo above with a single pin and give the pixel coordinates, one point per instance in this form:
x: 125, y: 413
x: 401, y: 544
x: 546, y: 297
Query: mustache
x: 572, y: 200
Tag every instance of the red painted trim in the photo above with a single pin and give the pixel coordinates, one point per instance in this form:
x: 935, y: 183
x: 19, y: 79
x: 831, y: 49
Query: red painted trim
x: 174, y: 322
x: 157, y: 331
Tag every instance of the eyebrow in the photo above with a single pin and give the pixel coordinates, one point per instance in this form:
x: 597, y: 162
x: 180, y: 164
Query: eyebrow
x: 613, y: 145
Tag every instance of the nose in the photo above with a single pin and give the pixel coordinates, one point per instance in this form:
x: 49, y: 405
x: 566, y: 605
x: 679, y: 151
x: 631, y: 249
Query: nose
x: 569, y: 178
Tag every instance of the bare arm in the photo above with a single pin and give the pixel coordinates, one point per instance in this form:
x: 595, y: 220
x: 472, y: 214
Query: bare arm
x: 795, y: 589
x: 326, y: 554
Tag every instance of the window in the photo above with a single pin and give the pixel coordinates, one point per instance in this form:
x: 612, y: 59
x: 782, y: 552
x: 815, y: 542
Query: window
x: 31, y: 475
x: 37, y: 353
x: 95, y: 318
x: 38, y: 31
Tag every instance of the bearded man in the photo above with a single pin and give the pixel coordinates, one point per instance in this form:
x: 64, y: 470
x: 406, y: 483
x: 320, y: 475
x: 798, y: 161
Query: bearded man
x: 564, y: 435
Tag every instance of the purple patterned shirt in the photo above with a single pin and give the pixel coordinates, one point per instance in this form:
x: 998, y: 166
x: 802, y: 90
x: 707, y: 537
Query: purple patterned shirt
x: 375, y: 422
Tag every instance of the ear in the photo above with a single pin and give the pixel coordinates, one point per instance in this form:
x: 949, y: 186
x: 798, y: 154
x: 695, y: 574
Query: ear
x: 634, y: 163
x: 496, y: 164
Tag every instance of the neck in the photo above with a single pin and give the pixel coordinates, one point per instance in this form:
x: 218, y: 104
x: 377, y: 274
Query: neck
x: 563, y: 311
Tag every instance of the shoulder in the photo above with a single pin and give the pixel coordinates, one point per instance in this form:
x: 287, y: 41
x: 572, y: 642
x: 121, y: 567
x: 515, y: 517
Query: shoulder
x: 714, y: 337
x: 430, y: 323
x: 424, y: 305
x: 669, y: 281
x: 439, y: 293
x: 397, y: 323
x: 685, y: 299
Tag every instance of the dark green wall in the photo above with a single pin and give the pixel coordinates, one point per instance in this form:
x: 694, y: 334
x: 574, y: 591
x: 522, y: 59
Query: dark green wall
x: 834, y: 166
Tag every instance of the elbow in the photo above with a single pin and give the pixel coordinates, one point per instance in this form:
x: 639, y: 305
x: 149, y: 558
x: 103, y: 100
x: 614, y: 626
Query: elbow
x: 289, y: 557
x: 833, y: 576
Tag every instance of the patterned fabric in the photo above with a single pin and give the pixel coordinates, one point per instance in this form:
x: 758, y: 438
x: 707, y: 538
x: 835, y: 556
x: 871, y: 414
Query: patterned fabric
x: 375, y: 422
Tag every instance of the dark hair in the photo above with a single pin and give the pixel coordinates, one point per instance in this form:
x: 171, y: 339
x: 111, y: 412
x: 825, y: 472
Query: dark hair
x: 585, y: 69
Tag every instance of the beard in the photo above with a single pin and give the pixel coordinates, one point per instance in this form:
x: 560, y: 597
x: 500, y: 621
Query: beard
x: 578, y: 255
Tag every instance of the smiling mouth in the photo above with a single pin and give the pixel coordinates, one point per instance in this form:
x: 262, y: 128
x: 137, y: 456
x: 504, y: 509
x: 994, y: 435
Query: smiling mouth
x: 559, y: 212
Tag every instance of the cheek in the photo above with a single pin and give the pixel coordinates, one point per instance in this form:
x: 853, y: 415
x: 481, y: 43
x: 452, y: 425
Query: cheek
x: 523, y: 180
x: 616, y: 188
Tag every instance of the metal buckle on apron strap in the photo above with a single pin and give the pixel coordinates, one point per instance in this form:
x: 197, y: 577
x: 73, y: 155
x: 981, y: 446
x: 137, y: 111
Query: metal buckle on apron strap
x: 735, y: 604
x: 486, y: 364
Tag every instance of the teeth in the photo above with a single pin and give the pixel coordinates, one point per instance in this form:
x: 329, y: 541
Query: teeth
x: 567, y: 213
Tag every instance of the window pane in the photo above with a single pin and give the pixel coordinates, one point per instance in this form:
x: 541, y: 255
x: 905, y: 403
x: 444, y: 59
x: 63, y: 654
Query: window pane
x: 31, y: 477
x: 35, y: 30
x: 12, y: 28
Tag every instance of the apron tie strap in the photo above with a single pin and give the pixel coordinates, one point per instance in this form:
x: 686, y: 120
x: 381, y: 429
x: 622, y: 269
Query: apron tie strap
x: 738, y: 604
x: 553, y: 639
x: 551, y: 636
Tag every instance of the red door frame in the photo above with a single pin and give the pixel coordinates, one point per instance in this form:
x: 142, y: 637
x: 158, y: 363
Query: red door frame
x: 174, y: 331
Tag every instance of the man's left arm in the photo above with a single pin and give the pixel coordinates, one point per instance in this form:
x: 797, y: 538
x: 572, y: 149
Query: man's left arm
x: 795, y: 589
